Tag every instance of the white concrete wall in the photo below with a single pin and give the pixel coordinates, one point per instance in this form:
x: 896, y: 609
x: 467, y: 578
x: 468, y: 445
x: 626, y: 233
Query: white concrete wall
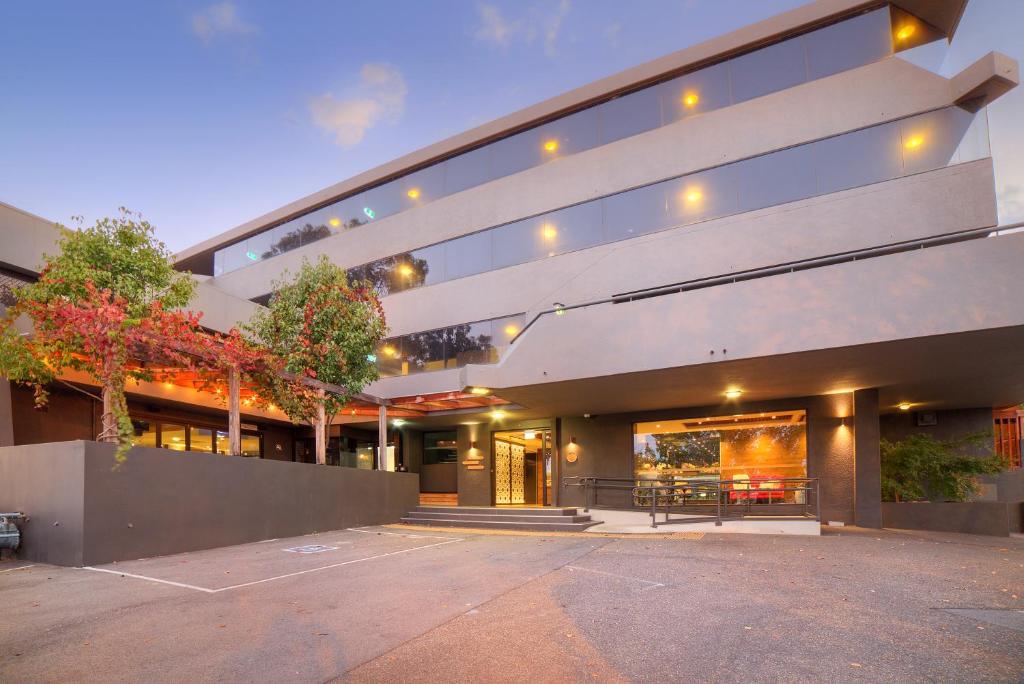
x: 24, y: 238
x: 221, y: 311
x: 882, y: 91
x: 928, y: 292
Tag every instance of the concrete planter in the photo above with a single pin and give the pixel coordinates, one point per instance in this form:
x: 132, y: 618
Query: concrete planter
x: 996, y: 518
x: 86, y: 511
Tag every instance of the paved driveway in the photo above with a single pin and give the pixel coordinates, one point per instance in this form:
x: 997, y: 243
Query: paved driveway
x: 385, y: 604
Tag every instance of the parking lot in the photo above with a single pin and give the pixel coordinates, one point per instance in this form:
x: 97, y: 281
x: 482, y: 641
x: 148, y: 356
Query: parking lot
x: 390, y: 604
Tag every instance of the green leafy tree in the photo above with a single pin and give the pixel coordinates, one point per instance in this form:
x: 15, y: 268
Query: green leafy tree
x: 922, y: 468
x: 324, y: 330
x: 107, y: 296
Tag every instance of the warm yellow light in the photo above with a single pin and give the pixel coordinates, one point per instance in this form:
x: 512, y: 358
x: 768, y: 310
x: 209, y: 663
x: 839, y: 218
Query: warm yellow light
x: 405, y: 269
x: 497, y: 415
x: 413, y: 193
x: 906, y: 31
x: 914, y: 142
x: 694, y: 195
x: 691, y: 99
x: 551, y: 146
x: 733, y: 393
x: 479, y: 391
x: 390, y: 351
x: 334, y: 222
x: 905, y: 406
x: 549, y: 231
x: 271, y: 407
x: 511, y: 330
x: 168, y: 385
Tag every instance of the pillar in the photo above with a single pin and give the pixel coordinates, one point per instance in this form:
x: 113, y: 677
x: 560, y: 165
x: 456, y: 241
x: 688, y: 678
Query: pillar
x: 382, y: 438
x: 867, y: 510
x: 234, y: 411
x: 6, y: 414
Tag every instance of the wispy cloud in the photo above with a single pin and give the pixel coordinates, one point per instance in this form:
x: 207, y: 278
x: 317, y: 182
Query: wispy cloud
x: 496, y: 29
x: 220, y: 19
x: 380, y: 97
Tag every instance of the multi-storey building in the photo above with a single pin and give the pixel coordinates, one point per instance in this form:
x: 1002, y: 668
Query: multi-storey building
x: 749, y: 259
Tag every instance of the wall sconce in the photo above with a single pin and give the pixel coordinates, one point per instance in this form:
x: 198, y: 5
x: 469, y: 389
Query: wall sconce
x: 572, y: 440
x: 571, y: 452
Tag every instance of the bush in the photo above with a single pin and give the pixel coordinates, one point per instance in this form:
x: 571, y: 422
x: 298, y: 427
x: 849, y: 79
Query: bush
x: 922, y: 468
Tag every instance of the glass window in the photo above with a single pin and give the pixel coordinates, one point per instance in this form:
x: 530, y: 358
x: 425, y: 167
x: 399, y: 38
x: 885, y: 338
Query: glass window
x: 868, y: 156
x: 440, y: 447
x: 423, y: 351
x: 200, y: 439
x: 429, y: 263
x: 636, y: 212
x: 753, y: 452
x: 468, y: 170
x: 504, y: 330
x: 389, y: 358
x: 775, y: 178
x: 468, y: 255
x: 630, y: 114
x: 364, y: 455
x: 469, y: 343
x: 696, y: 92
x: 701, y: 196
x: 251, y: 445
x: 849, y: 44
x: 768, y: 70
x: 144, y: 433
x: 930, y: 140
x: 172, y: 437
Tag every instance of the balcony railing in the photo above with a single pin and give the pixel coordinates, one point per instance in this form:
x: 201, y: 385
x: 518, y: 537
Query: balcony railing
x: 703, y: 500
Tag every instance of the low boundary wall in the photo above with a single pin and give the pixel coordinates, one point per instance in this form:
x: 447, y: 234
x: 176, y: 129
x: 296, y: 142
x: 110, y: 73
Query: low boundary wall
x: 86, y: 509
x: 996, y: 518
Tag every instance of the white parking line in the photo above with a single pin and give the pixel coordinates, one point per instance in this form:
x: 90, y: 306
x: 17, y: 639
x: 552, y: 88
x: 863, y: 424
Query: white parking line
x: 572, y: 568
x: 396, y: 534
x: 20, y: 567
x: 270, y: 579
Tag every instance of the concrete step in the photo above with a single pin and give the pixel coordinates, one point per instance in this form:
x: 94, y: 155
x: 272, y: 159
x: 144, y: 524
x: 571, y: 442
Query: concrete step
x: 412, y: 519
x: 509, y: 516
x: 491, y: 510
x: 437, y: 499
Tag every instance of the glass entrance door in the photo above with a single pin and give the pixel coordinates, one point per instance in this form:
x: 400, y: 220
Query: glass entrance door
x: 522, y: 468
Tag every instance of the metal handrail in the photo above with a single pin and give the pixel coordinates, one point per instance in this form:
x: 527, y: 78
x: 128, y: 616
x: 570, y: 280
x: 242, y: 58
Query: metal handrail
x: 777, y: 269
x: 670, y: 494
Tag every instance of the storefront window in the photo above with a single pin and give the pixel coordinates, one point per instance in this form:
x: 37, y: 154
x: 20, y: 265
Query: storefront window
x: 750, y: 452
x: 439, y: 447
x: 172, y: 437
x: 200, y: 439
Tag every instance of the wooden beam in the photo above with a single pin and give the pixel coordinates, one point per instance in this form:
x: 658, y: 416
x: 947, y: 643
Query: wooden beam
x: 234, y: 413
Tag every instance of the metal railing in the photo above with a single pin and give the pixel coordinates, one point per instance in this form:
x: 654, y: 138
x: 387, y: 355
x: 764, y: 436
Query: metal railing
x: 702, y: 500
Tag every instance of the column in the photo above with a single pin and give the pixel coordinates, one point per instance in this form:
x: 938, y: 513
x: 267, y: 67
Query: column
x: 6, y: 414
x: 867, y: 459
x: 382, y: 438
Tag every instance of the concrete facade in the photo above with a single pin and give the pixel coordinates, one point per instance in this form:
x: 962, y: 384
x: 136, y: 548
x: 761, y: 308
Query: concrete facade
x: 85, y: 508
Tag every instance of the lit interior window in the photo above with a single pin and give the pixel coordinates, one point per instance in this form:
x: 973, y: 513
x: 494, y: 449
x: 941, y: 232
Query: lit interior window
x: 413, y: 193
x: 690, y: 100
x: 551, y: 146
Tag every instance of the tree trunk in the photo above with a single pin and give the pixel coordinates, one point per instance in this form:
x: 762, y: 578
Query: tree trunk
x: 108, y: 423
x: 234, y: 417
x: 320, y: 428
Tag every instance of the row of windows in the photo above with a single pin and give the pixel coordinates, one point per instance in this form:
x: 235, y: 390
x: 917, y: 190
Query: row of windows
x: 184, y: 437
x: 852, y: 43
x: 879, y: 153
x: 451, y: 347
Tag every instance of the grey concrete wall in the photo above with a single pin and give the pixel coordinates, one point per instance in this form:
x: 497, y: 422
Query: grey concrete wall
x: 159, y: 502
x: 867, y: 459
x: 975, y: 517
x: 46, y: 482
x: 950, y: 424
x: 439, y: 477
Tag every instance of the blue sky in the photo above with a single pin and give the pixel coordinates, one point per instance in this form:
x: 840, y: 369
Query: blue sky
x: 204, y: 115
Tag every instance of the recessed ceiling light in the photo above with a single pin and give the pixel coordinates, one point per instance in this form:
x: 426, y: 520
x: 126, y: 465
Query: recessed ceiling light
x: 905, y: 406
x: 733, y: 393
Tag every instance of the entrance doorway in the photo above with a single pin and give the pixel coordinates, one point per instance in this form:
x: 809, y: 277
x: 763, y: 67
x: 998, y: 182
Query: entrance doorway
x: 522, y: 473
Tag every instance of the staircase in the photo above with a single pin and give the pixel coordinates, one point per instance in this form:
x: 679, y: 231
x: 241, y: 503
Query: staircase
x: 538, y: 519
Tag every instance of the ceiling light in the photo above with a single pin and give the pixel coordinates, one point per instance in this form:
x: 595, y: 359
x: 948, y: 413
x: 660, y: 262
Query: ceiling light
x: 551, y: 146
x: 905, y: 406
x: 691, y: 99
x: 413, y: 193
x: 370, y: 213
x: 914, y: 142
x: 694, y: 195
x: 398, y: 422
x: 334, y: 222
x: 549, y: 231
x: 479, y: 391
x: 511, y: 330
x: 497, y: 415
x: 906, y: 31
x: 529, y: 434
x: 406, y: 270
x: 252, y: 255
x: 733, y: 393
x: 389, y: 350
